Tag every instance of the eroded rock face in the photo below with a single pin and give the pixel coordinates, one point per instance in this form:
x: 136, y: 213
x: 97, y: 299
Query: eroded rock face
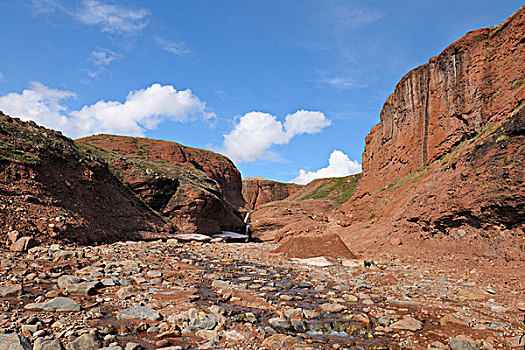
x: 448, y: 156
x: 476, y: 81
x: 258, y: 191
x: 199, y: 191
x: 51, y: 190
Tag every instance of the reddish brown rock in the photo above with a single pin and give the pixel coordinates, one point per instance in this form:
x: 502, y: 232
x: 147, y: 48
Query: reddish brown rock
x: 447, y: 159
x: 476, y: 81
x: 304, y: 247
x: 198, y: 191
x: 51, y: 190
x: 306, y: 211
x: 258, y: 191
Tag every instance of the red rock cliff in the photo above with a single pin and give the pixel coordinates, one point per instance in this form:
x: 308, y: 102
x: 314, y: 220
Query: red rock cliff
x: 475, y: 81
x: 197, y: 190
x: 448, y: 157
x: 51, y: 190
x: 257, y: 191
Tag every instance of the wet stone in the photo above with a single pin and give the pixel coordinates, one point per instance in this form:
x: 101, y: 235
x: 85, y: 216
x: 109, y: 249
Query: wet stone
x: 279, y: 323
x: 332, y: 307
x: 279, y: 341
x: 298, y: 325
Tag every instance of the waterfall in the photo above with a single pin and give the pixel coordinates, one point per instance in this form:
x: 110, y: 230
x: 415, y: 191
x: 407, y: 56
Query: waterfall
x: 248, y: 231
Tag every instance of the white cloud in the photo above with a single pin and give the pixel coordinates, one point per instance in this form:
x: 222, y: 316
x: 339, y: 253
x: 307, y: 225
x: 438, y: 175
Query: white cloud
x: 1, y: 77
x: 305, y: 122
x: 341, y: 80
x: 101, y: 58
x: 113, y: 18
x: 337, y: 82
x: 38, y: 103
x: 175, y: 48
x: 143, y: 110
x: 257, y: 132
x: 338, y: 165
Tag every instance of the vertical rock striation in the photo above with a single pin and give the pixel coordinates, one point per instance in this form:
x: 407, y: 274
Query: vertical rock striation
x: 473, y: 82
x: 448, y: 155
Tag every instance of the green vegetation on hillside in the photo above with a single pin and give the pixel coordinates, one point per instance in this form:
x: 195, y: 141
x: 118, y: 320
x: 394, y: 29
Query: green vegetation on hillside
x: 12, y: 153
x: 338, y: 189
x: 516, y: 84
x: 192, y: 176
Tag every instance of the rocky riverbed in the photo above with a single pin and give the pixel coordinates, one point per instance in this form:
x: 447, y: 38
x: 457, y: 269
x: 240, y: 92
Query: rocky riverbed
x: 173, y: 295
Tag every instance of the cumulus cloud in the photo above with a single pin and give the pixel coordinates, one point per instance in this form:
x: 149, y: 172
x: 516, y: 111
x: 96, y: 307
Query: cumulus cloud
x: 175, y: 48
x: 38, y: 103
x: 142, y: 110
x: 113, y: 18
x: 257, y: 132
x: 338, y: 165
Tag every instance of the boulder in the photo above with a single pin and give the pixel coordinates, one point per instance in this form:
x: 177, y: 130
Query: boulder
x: 88, y: 341
x: 23, y: 244
x: 14, y: 342
x: 408, y: 324
x: 59, y: 304
x: 11, y: 290
x: 139, y: 313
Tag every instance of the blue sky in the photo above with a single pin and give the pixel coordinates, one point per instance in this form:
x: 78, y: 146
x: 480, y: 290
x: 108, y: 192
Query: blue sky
x: 279, y: 86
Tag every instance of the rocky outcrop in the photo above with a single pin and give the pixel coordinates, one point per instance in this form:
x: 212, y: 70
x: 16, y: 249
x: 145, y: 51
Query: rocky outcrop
x: 305, y: 212
x: 476, y: 81
x: 198, y: 191
x: 51, y: 190
x: 258, y: 191
x: 448, y: 155
x: 335, y: 189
